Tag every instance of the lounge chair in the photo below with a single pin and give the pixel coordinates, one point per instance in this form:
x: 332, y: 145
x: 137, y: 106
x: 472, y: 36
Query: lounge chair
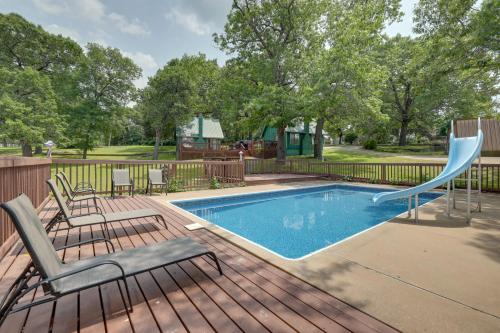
x: 120, y: 177
x: 80, y: 188
x: 155, y: 178
x: 73, y: 196
x: 74, y: 221
x: 58, y: 278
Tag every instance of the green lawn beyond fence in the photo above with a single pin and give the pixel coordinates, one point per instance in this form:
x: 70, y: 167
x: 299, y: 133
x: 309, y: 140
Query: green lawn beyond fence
x: 182, y: 175
x: 409, y: 174
x: 193, y: 175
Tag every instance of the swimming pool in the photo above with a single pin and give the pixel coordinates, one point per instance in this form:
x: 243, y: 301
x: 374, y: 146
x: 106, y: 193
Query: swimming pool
x: 299, y: 222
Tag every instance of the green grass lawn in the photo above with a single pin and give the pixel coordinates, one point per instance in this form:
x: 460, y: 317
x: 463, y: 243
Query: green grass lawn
x: 411, y: 150
x: 106, y: 153
x: 346, y: 154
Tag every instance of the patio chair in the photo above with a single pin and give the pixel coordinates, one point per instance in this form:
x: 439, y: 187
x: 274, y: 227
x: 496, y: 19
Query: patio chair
x: 58, y: 278
x: 120, y: 177
x: 74, y: 221
x: 72, y: 196
x: 155, y: 178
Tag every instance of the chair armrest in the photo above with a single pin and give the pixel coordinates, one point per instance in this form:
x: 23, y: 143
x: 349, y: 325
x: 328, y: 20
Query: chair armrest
x: 85, y: 268
x: 94, y: 240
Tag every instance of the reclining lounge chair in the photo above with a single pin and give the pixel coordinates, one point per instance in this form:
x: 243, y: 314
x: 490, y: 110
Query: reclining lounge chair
x: 76, y: 196
x: 80, y: 188
x: 58, y: 278
x: 96, y: 218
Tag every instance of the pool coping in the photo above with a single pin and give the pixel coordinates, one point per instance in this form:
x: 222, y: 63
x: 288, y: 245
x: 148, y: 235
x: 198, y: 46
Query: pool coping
x: 252, y: 246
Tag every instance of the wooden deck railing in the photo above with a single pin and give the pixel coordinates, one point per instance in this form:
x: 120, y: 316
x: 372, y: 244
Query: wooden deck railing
x: 183, y: 175
x: 383, y: 173
x: 20, y: 175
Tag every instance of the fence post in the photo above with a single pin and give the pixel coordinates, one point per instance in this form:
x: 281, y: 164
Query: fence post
x: 420, y: 173
x: 383, y: 176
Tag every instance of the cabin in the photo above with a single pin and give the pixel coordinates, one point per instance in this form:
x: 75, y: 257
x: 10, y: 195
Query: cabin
x: 199, y: 136
x: 299, y: 139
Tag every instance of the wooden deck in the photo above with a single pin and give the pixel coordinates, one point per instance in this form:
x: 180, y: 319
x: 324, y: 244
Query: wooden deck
x: 251, y: 296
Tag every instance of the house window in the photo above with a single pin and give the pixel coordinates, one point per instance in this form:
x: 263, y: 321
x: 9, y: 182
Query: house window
x: 294, y: 139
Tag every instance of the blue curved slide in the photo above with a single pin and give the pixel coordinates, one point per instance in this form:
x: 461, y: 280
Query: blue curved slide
x: 463, y: 152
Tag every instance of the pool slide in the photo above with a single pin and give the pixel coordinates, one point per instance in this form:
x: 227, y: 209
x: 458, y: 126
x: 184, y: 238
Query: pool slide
x: 462, y: 153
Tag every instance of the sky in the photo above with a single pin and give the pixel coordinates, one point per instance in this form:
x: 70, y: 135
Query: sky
x: 150, y: 32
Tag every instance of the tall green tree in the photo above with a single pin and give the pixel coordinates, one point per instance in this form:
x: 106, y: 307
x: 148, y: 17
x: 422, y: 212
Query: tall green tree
x: 343, y: 78
x: 166, y: 101
x: 105, y: 86
x: 271, y: 37
x: 28, y: 109
x: 27, y: 46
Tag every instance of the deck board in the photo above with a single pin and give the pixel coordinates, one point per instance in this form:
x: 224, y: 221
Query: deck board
x: 251, y: 296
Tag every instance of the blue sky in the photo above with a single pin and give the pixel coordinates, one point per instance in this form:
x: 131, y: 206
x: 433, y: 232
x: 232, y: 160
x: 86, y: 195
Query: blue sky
x: 149, y: 31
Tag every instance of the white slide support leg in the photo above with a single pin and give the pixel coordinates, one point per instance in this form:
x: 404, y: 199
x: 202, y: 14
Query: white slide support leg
x: 469, y: 171
x: 409, y: 206
x: 479, y: 184
x: 448, y: 185
x: 416, y: 208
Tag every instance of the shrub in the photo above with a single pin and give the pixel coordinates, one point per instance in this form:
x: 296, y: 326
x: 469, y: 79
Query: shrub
x: 350, y: 137
x: 370, y: 144
x: 214, y: 184
x: 175, y: 185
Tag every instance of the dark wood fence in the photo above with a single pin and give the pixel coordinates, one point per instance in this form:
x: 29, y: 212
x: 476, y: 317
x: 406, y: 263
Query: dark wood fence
x: 183, y: 175
x: 383, y: 173
x: 20, y: 175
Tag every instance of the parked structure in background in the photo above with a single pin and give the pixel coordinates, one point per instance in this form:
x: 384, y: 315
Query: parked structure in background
x: 299, y: 139
x: 199, y: 137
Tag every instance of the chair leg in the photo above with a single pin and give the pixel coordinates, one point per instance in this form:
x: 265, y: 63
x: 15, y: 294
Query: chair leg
x: 214, y: 258
x: 127, y: 291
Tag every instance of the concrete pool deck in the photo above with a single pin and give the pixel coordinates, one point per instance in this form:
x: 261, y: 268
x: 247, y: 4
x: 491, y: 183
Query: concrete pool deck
x: 440, y: 275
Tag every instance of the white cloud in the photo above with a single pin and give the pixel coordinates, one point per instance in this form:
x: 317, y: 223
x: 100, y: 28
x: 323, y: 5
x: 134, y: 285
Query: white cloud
x: 66, y: 32
x: 145, y: 61
x: 89, y: 9
x: 133, y: 27
x: 190, y: 21
x: 51, y: 6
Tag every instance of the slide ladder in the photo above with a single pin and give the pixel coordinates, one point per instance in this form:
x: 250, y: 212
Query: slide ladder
x: 462, y: 154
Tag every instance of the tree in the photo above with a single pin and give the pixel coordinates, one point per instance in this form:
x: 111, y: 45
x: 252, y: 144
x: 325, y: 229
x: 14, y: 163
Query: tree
x: 28, y: 109
x: 165, y: 102
x: 27, y: 45
x: 105, y: 86
x: 343, y: 79
x: 270, y: 37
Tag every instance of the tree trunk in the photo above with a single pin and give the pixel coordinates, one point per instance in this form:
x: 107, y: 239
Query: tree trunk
x: 340, y: 136
x: 280, y: 149
x: 38, y: 150
x: 26, y: 148
x: 318, y: 135
x: 109, y: 139
x: 403, y: 132
x: 86, y: 147
x: 157, y: 144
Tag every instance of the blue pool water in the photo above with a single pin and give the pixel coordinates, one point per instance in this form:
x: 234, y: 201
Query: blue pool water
x: 295, y: 223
